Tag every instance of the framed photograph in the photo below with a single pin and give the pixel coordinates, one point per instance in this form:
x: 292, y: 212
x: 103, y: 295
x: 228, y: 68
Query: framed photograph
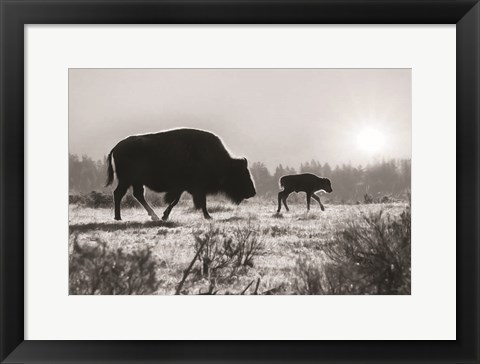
x: 239, y: 181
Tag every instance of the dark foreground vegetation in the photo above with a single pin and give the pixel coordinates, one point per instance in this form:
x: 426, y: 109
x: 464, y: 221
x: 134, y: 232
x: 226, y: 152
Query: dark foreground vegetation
x: 367, y: 254
x: 97, y: 269
x: 371, y: 256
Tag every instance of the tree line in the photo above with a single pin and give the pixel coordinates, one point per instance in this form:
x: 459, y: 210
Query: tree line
x: 350, y: 183
x: 376, y: 180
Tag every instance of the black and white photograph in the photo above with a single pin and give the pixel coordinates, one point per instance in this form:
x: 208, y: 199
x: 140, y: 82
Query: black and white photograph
x: 239, y: 181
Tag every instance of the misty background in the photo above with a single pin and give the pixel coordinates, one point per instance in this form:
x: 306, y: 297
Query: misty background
x: 282, y: 120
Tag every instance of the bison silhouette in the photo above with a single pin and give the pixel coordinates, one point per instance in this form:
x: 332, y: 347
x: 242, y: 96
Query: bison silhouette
x: 305, y: 182
x: 176, y: 161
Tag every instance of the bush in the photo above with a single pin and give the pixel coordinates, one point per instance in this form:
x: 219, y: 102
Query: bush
x: 277, y: 230
x: 309, y: 277
x: 97, y: 269
x: 224, y: 254
x: 97, y: 199
x: 367, y: 199
x: 386, y: 199
x: 249, y: 244
x: 75, y: 199
x: 214, y: 249
x: 368, y: 257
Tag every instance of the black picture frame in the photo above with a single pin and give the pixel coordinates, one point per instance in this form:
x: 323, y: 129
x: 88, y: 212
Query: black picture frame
x: 15, y: 14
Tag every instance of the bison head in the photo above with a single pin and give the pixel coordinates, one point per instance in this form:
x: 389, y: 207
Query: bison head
x: 238, y: 184
x: 325, y: 184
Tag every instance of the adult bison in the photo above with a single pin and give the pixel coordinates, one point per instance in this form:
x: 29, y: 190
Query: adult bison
x: 176, y: 161
x: 305, y: 182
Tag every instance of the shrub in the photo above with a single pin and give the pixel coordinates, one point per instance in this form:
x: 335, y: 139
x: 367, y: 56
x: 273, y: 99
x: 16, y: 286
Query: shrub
x: 214, y: 249
x: 367, y: 199
x: 75, y: 199
x: 224, y: 254
x: 249, y: 243
x: 97, y: 269
x: 276, y: 230
x: 98, y: 199
x: 309, y: 277
x: 368, y: 257
x: 386, y: 199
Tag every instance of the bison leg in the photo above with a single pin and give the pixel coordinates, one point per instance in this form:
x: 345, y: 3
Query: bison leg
x: 173, y: 198
x: 279, y: 202
x: 284, y: 200
x: 282, y: 196
x: 309, y: 195
x: 117, y: 198
x: 200, y: 201
x: 138, y: 193
x: 318, y: 200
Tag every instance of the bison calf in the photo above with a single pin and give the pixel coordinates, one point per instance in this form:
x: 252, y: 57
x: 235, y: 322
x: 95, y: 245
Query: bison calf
x: 176, y: 161
x: 305, y: 182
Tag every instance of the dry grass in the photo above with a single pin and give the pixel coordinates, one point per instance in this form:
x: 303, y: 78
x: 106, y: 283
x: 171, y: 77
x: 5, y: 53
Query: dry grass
x: 285, y: 239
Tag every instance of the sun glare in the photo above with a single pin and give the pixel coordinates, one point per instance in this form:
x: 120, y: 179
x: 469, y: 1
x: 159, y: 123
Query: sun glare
x: 371, y: 140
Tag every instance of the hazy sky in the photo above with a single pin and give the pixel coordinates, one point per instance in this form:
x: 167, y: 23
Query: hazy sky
x: 274, y: 116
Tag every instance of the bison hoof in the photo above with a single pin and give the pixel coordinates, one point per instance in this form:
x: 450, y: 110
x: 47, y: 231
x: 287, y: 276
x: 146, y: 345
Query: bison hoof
x: 208, y: 217
x: 117, y: 218
x: 154, y: 218
x: 165, y: 217
x: 322, y: 208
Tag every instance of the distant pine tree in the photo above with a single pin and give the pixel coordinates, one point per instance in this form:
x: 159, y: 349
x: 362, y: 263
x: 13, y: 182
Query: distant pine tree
x: 350, y: 183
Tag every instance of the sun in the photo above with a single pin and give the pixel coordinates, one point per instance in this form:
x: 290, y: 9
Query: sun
x: 371, y: 140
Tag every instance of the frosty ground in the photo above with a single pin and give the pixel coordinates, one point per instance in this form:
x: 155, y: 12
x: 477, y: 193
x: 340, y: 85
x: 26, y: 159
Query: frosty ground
x: 285, y: 239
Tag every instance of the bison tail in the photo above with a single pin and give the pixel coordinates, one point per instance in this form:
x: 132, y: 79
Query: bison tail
x: 280, y: 182
x: 109, y: 170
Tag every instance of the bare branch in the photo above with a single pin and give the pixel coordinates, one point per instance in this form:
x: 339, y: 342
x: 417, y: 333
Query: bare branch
x: 187, y: 271
x: 247, y: 287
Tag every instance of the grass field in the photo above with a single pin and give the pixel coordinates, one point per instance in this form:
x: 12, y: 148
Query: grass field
x: 284, y: 242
